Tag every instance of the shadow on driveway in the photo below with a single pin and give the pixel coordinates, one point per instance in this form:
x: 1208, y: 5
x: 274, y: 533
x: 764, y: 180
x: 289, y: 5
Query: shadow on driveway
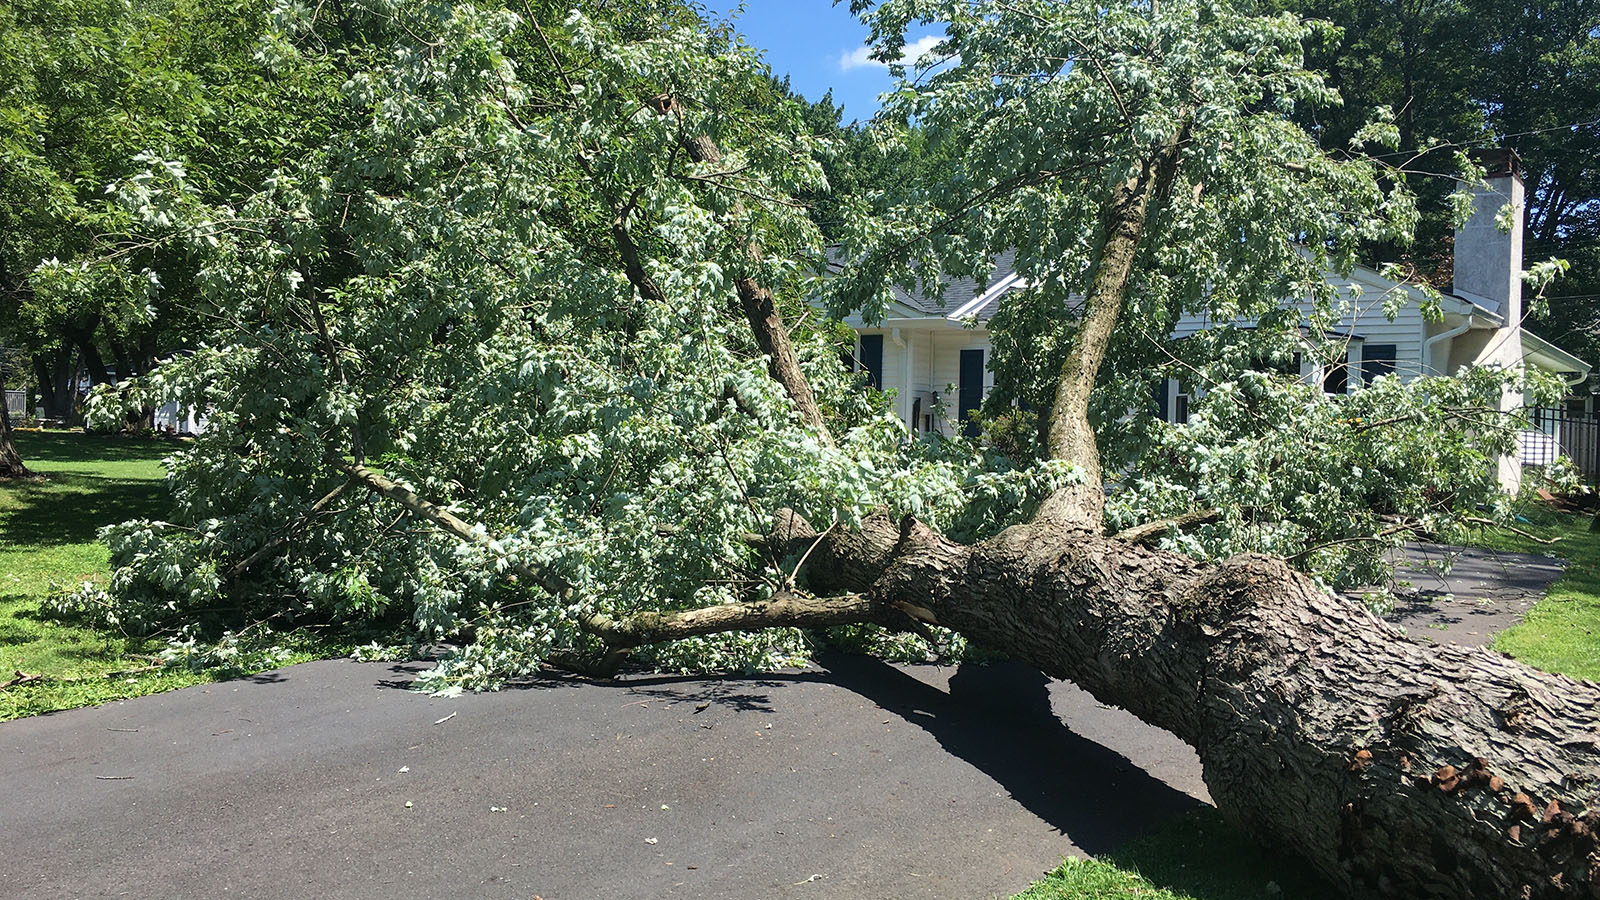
x: 1000, y: 719
x: 1466, y: 595
x: 860, y: 780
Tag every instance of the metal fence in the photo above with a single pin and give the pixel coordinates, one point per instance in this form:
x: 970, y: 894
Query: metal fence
x: 17, y: 403
x: 1561, y: 432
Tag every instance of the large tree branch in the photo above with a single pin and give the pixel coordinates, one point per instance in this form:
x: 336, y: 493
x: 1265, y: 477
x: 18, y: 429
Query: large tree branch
x: 1146, y: 531
x: 784, y: 610
x: 1069, y: 434
x: 627, y: 249
x: 758, y: 305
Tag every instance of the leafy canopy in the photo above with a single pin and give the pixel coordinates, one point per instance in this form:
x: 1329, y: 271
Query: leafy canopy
x: 506, y: 283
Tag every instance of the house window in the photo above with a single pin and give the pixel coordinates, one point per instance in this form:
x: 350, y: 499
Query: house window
x: 1336, y: 379
x: 1377, y: 359
x: 1182, y: 394
x: 871, y: 358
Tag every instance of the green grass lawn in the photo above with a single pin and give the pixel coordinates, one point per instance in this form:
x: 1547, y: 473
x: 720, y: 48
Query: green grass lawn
x: 1562, y: 632
x: 48, y: 534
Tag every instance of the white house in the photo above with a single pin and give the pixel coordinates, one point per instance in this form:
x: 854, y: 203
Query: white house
x: 935, y: 357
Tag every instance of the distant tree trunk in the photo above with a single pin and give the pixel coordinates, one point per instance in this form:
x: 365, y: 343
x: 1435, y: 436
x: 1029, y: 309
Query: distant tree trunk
x: 147, y: 363
x: 10, y: 461
x: 93, y: 363
x: 89, y: 356
x: 132, y: 362
x: 53, y: 372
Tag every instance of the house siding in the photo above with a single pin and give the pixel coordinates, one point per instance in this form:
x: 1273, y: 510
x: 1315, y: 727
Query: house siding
x: 1366, y: 321
x: 946, y: 370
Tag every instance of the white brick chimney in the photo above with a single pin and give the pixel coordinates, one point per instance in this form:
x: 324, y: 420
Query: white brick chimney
x: 1488, y: 261
x: 1488, y: 271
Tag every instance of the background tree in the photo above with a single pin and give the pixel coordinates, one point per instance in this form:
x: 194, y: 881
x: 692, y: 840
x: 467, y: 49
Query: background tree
x: 858, y: 163
x: 94, y: 91
x: 1481, y: 73
x: 11, y: 465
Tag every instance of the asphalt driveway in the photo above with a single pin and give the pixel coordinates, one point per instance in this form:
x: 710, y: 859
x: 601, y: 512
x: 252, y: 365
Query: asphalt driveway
x: 1480, y: 594
x: 329, y: 780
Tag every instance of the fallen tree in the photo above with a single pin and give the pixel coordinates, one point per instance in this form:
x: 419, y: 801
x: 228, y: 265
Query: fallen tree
x: 531, y: 308
x: 1395, y: 767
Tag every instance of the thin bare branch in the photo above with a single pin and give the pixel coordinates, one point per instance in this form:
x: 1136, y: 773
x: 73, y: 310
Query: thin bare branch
x: 1490, y: 523
x: 272, y: 546
x: 449, y: 522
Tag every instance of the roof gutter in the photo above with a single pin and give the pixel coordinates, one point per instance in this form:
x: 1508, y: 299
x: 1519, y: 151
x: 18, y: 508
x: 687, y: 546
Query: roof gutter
x: 1430, y: 343
x: 978, y: 302
x: 1579, y: 368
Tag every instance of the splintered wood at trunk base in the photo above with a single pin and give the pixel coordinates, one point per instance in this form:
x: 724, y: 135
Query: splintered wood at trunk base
x: 1396, y: 768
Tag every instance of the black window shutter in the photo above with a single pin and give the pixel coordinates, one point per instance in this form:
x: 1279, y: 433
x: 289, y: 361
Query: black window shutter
x: 970, y: 397
x: 1337, y: 379
x: 872, y: 359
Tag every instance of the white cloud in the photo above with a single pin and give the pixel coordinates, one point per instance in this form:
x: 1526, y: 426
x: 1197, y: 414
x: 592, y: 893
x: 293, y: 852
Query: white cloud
x: 861, y: 56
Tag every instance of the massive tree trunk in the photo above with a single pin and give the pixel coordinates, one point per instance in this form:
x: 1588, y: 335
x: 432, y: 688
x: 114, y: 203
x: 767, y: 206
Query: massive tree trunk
x: 1395, y: 767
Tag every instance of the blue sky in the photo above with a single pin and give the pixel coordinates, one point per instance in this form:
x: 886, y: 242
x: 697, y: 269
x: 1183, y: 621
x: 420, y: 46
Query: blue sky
x: 819, y: 46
